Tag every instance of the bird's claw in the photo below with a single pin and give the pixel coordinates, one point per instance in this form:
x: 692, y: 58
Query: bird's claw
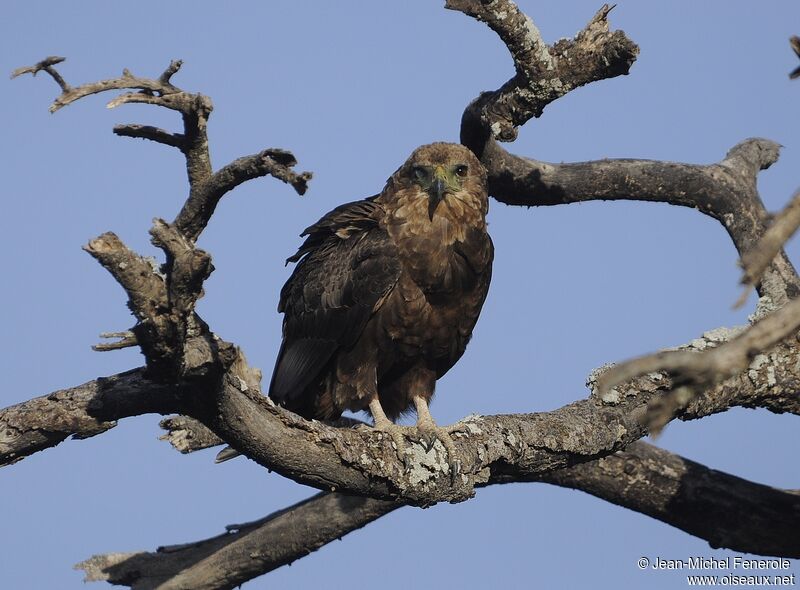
x: 396, y: 433
x: 429, y: 434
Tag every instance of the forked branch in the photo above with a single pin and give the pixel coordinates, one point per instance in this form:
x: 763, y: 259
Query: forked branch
x: 206, y: 187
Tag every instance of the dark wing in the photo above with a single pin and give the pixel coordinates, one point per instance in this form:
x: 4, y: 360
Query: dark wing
x: 347, y: 265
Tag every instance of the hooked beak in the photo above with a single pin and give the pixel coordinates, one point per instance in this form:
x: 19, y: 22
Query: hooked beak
x: 436, y: 191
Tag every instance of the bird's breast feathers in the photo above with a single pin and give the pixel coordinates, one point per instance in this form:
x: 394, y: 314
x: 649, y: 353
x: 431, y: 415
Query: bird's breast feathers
x: 453, y: 219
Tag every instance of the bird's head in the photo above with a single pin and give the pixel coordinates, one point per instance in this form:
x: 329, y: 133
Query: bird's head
x: 442, y: 170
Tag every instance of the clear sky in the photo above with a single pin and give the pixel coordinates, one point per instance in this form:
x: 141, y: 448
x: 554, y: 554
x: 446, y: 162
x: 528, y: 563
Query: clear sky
x: 352, y: 87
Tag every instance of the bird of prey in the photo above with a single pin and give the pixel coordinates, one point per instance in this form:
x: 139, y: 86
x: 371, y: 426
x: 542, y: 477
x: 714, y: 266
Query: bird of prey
x: 385, y: 295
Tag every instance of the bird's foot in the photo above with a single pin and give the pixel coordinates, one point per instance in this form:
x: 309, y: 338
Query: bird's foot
x: 398, y: 435
x: 429, y: 433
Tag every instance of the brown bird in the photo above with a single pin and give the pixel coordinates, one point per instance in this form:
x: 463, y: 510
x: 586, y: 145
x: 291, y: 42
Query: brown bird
x: 385, y: 295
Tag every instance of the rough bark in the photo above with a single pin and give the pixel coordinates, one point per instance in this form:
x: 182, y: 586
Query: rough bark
x: 665, y: 486
x: 362, y: 461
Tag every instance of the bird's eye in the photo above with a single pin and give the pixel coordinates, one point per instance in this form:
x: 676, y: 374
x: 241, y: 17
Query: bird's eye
x: 420, y: 173
x: 461, y: 170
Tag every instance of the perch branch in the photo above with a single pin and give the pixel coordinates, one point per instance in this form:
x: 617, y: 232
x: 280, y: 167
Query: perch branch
x: 80, y: 412
x: 225, y: 395
x: 360, y: 461
x: 643, y: 478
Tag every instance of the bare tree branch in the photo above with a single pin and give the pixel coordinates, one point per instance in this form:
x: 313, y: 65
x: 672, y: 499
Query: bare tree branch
x: 79, y: 412
x: 152, y: 133
x: 724, y: 191
x: 756, y: 260
x: 45, y: 65
x: 725, y: 510
x: 188, y: 435
x: 679, y: 492
x: 360, y: 461
x: 203, y: 201
x: 244, y: 552
x: 206, y: 188
x: 543, y: 73
x: 694, y: 371
x: 125, y: 339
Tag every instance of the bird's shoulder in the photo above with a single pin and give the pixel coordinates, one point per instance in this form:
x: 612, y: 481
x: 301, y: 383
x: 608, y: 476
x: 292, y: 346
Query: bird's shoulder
x: 346, y: 260
x: 338, y: 224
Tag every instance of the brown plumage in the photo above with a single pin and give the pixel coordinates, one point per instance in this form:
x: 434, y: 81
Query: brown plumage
x: 386, y: 294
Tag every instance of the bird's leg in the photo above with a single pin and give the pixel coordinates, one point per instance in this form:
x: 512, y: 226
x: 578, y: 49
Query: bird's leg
x: 431, y: 433
x: 382, y: 423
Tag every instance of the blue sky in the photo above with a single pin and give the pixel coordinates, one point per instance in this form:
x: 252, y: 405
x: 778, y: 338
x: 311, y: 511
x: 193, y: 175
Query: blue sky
x: 352, y: 88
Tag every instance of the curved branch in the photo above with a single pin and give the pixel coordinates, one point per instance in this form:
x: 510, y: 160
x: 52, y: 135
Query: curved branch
x: 543, y: 73
x: 725, y: 191
x: 202, y: 203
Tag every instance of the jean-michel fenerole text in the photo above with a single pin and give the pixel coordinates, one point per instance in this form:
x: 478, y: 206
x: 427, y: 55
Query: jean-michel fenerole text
x: 736, y: 562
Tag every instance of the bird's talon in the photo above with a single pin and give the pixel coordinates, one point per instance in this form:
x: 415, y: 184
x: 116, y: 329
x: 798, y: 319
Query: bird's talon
x: 427, y: 439
x: 455, y: 471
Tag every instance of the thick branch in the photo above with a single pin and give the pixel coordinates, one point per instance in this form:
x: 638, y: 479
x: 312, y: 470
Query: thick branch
x: 725, y: 191
x: 245, y: 551
x: 80, y: 412
x: 362, y: 461
x: 726, y: 511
